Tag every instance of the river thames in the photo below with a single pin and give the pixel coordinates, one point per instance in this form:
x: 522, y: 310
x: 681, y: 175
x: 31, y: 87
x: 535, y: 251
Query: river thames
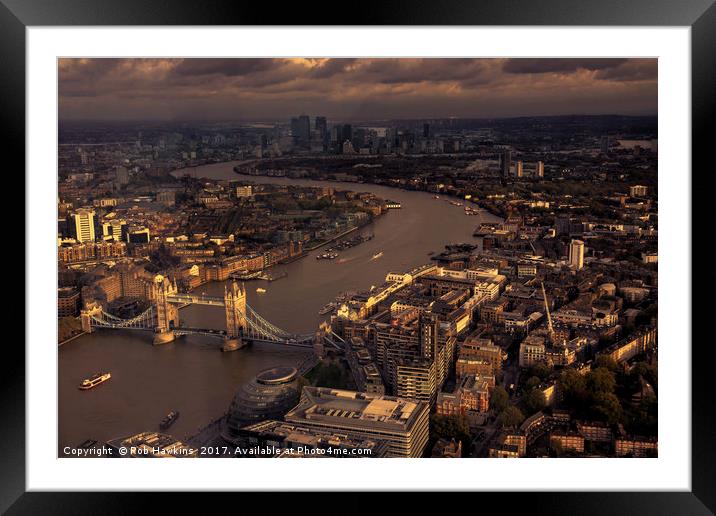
x: 191, y: 375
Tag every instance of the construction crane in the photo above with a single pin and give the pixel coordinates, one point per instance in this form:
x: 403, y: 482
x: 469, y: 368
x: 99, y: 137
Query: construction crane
x: 549, y: 317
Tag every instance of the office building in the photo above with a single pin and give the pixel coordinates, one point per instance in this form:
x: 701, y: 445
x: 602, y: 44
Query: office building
x: 518, y: 169
x: 482, y: 350
x: 532, y: 351
x: 122, y: 175
x: 244, y: 191
x: 84, y: 225
x: 505, y: 163
x: 402, y: 424
x: 268, y: 396
x: 321, y: 127
x: 115, y: 229
x: 301, y: 129
x: 576, y: 254
x: 416, y: 380
x: 138, y: 235
x: 638, y: 191
x: 346, y: 132
x: 539, y: 169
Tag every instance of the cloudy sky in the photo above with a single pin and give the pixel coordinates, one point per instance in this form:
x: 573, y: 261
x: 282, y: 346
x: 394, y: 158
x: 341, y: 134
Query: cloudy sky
x: 235, y: 89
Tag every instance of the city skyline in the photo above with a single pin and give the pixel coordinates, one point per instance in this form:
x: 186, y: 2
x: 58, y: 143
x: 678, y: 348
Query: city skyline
x: 220, y: 89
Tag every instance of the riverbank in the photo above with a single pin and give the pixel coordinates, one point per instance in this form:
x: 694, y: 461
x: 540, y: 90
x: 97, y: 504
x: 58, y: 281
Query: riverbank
x: 486, y: 207
x: 71, y: 338
x: 333, y: 239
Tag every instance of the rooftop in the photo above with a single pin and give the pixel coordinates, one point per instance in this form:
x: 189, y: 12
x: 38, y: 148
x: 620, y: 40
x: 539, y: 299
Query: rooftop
x: 349, y: 408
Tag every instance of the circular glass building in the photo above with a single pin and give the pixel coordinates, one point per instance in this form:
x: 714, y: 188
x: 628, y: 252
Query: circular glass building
x: 269, y: 395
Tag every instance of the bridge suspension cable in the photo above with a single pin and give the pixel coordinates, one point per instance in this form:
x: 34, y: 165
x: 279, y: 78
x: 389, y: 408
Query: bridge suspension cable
x: 145, y: 320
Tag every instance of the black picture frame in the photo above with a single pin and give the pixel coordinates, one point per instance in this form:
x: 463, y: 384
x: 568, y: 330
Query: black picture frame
x: 700, y: 15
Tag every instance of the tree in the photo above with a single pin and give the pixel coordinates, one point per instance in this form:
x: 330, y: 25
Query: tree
x: 531, y: 383
x: 540, y: 370
x: 67, y: 327
x: 534, y: 401
x: 644, y: 418
x: 646, y: 371
x: 329, y: 374
x: 499, y: 399
x: 606, y: 406
x: 511, y: 416
x: 451, y: 427
x: 601, y: 379
x: 573, y: 387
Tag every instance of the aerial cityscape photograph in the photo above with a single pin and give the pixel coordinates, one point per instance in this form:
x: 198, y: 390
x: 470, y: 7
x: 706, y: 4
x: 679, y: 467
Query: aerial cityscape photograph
x: 357, y: 258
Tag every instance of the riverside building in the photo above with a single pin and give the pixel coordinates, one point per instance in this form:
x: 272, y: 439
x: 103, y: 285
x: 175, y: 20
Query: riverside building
x: 402, y: 424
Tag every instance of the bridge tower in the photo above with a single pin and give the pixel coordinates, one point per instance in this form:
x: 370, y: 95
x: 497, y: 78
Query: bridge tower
x: 167, y: 313
x: 319, y: 338
x: 86, y: 316
x: 235, y: 305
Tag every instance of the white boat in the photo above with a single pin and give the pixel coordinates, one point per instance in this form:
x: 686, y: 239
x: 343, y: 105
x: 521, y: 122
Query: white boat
x: 94, y: 381
x: 377, y: 255
x: 260, y: 290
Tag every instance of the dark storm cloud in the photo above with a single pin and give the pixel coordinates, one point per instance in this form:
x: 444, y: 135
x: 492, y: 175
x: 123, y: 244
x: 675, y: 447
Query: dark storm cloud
x: 605, y: 69
x: 548, y: 65
x: 228, y: 67
x: 396, y: 71
x: 632, y: 70
x: 348, y: 87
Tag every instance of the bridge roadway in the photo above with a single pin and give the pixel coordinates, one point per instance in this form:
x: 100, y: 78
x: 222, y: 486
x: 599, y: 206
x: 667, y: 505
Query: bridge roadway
x: 185, y: 299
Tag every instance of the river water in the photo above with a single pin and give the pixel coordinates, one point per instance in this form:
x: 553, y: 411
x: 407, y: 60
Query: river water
x: 191, y: 375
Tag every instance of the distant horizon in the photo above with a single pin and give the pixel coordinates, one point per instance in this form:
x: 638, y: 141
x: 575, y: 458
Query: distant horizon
x: 225, y: 89
x: 361, y: 120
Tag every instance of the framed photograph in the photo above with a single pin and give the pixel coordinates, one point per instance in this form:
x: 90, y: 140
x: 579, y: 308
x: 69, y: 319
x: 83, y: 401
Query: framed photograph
x: 439, y: 232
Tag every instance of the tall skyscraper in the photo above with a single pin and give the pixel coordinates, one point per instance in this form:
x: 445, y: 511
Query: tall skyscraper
x: 122, y: 175
x: 426, y: 130
x: 346, y: 132
x: 505, y: 162
x: 576, y: 254
x: 84, y: 225
x: 321, y: 127
x: 429, y: 326
x: 295, y: 127
x: 301, y: 129
x: 304, y: 128
x: 539, y: 169
x: 518, y: 169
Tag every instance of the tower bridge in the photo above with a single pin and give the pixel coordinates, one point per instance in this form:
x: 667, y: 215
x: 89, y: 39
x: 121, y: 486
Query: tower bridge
x: 243, y: 323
